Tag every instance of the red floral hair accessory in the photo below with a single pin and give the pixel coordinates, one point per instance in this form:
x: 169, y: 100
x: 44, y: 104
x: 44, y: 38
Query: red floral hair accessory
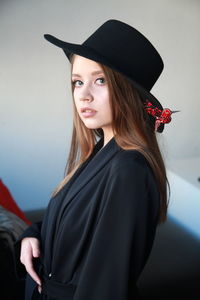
x: 162, y: 116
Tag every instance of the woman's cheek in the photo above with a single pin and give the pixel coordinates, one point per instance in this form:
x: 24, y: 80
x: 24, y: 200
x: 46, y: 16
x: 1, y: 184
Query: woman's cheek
x: 76, y: 102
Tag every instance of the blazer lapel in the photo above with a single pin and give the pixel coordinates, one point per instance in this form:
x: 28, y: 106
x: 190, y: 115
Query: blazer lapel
x: 94, y: 164
x: 97, y: 160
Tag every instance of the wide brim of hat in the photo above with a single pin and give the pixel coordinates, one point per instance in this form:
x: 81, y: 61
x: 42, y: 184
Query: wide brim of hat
x: 82, y: 50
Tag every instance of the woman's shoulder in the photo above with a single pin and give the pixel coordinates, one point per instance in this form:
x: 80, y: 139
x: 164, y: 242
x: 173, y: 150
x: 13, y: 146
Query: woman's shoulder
x: 130, y: 158
x: 132, y: 165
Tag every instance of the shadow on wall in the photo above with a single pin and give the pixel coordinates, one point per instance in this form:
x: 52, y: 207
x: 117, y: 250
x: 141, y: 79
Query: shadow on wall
x: 173, y: 269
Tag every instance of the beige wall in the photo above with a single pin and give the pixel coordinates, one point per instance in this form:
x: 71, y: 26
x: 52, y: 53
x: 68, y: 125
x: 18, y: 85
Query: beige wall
x: 35, y: 101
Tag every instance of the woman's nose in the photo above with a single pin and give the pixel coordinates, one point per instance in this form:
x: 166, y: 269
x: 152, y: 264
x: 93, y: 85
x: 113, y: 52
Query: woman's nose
x: 86, y: 94
x: 87, y: 98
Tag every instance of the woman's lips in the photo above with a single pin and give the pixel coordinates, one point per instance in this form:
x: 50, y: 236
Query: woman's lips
x: 87, y: 113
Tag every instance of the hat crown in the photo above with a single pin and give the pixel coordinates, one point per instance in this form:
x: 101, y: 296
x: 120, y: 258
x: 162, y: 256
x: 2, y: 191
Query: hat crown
x: 128, y: 51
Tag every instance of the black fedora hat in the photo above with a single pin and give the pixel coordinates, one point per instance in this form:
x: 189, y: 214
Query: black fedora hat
x: 123, y: 48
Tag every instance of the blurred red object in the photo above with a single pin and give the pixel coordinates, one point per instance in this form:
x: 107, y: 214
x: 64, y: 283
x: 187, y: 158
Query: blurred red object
x: 7, y: 201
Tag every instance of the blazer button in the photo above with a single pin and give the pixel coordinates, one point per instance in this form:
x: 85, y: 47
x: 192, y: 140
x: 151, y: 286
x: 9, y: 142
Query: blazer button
x: 50, y: 275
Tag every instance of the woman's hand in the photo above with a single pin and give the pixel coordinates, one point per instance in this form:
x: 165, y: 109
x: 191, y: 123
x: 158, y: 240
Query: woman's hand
x: 30, y: 248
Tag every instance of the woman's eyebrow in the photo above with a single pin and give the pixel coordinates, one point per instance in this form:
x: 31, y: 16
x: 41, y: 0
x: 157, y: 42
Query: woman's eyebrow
x: 93, y: 73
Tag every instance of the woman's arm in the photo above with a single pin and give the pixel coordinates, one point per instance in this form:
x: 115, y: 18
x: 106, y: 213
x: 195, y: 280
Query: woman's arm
x: 24, y: 256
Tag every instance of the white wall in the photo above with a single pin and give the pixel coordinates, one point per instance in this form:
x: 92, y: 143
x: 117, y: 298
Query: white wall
x: 35, y: 100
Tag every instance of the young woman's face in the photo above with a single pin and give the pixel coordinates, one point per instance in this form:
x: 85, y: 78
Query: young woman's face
x: 91, y: 94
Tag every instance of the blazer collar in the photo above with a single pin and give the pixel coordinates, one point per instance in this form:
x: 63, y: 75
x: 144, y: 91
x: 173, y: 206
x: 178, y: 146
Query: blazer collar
x: 97, y: 160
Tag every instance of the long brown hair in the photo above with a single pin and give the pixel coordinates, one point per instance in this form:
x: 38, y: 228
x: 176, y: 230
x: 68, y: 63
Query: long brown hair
x: 133, y: 129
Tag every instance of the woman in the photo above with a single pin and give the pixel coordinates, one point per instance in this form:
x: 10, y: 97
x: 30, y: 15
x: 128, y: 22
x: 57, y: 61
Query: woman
x: 100, y: 224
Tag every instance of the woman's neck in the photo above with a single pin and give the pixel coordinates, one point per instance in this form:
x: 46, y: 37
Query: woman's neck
x: 107, y: 139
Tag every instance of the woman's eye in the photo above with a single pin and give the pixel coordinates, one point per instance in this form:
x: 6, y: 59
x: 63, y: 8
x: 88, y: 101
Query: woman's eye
x: 76, y: 81
x: 79, y: 82
x: 102, y: 79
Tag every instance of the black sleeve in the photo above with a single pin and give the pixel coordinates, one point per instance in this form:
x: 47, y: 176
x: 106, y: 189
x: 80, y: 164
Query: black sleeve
x: 123, y: 236
x: 31, y: 231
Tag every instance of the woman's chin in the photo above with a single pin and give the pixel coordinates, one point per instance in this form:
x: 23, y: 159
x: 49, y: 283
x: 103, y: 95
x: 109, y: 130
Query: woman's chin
x: 91, y: 126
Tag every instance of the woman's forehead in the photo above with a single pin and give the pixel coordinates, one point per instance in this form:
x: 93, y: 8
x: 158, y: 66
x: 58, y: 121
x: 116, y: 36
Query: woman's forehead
x: 83, y: 64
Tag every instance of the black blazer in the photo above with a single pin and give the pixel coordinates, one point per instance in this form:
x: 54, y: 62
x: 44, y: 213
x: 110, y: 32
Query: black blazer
x: 98, y: 231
